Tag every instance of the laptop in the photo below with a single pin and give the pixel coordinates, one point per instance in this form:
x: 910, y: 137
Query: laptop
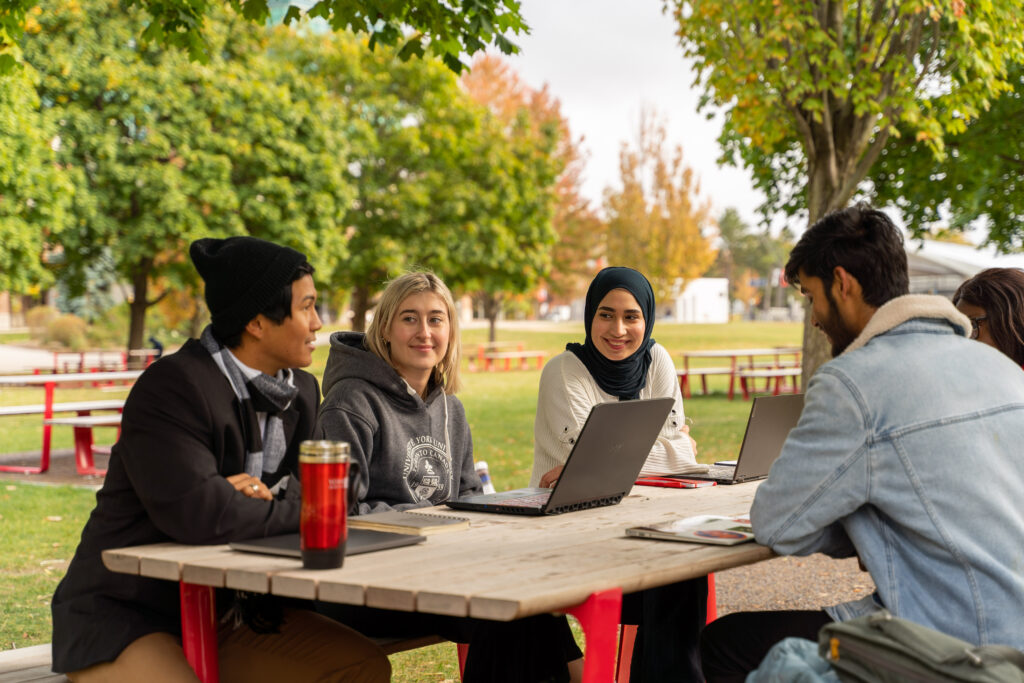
x: 771, y: 418
x: 359, y: 541
x: 602, y: 466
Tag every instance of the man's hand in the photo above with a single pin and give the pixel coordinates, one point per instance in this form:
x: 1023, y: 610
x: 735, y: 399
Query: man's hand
x: 685, y: 429
x: 250, y: 486
x: 550, y: 477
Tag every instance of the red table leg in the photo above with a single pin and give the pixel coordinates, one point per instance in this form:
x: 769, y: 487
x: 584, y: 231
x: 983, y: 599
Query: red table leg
x: 199, y: 631
x: 599, y: 616
x: 44, y: 458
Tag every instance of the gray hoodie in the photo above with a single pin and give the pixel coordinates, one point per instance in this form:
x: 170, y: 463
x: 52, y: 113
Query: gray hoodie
x: 409, y: 452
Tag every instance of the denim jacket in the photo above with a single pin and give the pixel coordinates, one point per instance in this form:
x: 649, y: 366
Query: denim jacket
x: 910, y: 453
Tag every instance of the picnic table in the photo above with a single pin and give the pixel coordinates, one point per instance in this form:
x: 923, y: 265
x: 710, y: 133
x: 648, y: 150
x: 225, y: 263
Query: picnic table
x: 769, y: 364
x: 89, y: 361
x: 490, y: 355
x: 503, y: 567
x: 47, y: 409
x: 84, y: 446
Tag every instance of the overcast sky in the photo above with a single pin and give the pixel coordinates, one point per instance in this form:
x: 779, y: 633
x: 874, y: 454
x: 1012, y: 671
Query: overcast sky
x: 605, y: 60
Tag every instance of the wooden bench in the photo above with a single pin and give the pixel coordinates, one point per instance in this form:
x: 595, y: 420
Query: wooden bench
x: 84, y: 449
x: 26, y: 664
x: 779, y: 375
x: 509, y: 356
x: 33, y: 664
x: 686, y: 373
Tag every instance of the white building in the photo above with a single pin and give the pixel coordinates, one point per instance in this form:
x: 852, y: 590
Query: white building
x: 704, y: 300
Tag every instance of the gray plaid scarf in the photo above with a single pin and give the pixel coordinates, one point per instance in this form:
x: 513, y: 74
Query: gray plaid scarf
x: 263, y: 394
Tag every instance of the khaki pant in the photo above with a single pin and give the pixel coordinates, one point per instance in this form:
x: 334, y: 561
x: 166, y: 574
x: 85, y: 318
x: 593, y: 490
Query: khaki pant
x: 310, y: 647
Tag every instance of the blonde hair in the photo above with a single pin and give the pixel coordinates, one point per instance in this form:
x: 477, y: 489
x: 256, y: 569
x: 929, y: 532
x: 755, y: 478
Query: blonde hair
x: 446, y: 373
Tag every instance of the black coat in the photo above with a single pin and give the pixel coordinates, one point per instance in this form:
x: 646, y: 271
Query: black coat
x: 181, y: 435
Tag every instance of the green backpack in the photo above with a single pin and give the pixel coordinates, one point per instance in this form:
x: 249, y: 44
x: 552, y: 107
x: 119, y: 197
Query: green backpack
x: 881, y: 647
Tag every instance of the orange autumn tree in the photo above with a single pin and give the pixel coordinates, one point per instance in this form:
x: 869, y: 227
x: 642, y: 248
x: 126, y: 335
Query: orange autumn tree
x: 656, y: 221
x: 493, y: 83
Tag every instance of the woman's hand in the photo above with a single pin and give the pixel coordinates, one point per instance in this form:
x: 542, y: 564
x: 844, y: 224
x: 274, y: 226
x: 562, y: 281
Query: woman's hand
x: 693, y: 444
x: 550, y: 477
x: 250, y: 486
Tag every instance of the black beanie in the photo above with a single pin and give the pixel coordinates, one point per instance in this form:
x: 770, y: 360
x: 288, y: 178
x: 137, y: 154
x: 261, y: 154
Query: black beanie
x: 243, y: 275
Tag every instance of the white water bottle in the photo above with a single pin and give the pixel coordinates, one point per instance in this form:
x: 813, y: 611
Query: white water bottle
x: 485, y: 476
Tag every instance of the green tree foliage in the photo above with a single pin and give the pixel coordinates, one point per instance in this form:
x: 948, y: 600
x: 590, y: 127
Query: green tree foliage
x: 980, y: 176
x: 578, y: 228
x: 414, y: 138
x: 163, y: 151
x: 517, y: 167
x: 656, y: 222
x: 443, y: 29
x: 34, y: 192
x: 743, y: 253
x: 812, y: 90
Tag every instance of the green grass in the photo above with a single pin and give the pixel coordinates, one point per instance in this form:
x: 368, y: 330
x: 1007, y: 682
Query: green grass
x: 500, y: 407
x: 40, y: 527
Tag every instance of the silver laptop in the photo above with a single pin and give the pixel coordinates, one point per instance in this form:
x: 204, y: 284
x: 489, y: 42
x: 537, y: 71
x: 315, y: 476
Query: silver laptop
x: 771, y: 418
x: 602, y: 466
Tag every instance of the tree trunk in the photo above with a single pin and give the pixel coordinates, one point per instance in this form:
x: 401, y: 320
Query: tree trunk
x: 198, y: 320
x: 821, y: 199
x: 138, y: 305
x: 492, y: 307
x: 360, y: 305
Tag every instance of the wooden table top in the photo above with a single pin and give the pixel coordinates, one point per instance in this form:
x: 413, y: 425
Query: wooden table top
x: 503, y: 567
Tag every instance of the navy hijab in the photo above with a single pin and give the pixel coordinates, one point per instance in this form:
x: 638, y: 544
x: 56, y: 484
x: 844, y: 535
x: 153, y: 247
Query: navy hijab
x: 623, y: 378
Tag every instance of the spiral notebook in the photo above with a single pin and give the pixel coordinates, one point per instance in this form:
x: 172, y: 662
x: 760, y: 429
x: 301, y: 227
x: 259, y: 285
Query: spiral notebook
x: 408, y: 522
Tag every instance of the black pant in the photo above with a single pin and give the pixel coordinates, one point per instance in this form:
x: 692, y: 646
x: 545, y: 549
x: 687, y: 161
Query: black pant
x: 530, y: 650
x: 733, y: 646
x: 670, y: 619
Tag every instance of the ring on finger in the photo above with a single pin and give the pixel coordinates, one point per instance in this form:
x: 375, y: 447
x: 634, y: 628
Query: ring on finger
x: 255, y: 488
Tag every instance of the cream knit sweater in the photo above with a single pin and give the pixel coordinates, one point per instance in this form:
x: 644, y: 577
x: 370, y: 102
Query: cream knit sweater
x: 567, y: 393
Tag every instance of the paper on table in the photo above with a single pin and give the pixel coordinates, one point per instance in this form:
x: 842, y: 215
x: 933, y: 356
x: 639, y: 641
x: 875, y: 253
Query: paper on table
x: 700, y: 529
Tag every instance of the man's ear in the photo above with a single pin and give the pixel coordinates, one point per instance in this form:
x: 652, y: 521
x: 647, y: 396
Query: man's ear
x: 255, y: 327
x: 845, y: 285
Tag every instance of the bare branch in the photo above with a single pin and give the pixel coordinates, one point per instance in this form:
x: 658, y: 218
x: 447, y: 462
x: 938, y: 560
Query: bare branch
x: 865, y: 164
x: 926, y: 61
x: 830, y: 140
x: 154, y: 302
x: 805, y: 132
x: 858, y: 39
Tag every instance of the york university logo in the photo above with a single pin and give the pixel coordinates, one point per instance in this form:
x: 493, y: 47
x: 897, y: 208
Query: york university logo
x: 428, y: 469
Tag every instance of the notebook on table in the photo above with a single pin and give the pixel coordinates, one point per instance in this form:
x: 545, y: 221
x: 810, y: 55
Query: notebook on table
x: 359, y: 541
x: 771, y: 418
x: 602, y: 466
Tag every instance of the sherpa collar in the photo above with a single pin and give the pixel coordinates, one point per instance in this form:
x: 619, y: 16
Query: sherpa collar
x: 907, y: 307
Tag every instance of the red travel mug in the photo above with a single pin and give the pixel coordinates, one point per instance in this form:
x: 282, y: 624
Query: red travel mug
x: 323, y: 468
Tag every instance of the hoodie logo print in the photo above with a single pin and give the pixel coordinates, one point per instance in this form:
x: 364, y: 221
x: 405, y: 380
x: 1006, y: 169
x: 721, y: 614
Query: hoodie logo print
x: 428, y: 469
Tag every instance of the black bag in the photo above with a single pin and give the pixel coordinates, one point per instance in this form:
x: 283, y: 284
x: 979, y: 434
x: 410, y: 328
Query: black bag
x: 881, y: 647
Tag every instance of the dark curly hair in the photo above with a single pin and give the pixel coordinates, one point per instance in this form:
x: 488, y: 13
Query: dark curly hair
x: 1000, y: 293
x: 865, y: 242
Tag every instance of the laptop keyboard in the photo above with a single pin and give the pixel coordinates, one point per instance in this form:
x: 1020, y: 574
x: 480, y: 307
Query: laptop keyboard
x: 534, y: 500
x: 719, y: 472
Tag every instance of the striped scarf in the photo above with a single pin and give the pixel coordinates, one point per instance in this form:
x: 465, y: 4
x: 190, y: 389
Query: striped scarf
x: 261, y: 394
